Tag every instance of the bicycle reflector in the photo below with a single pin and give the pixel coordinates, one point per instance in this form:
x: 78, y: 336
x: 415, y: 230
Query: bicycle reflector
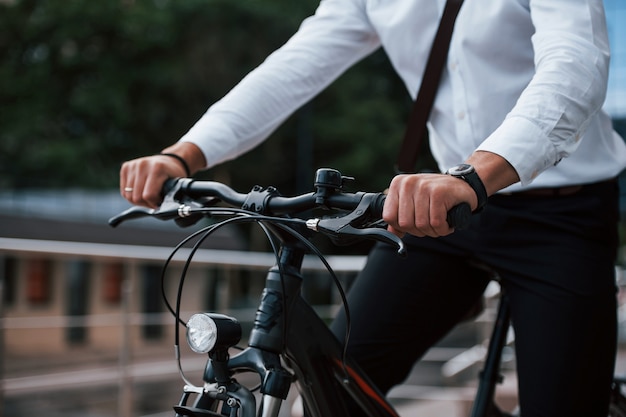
x: 207, y: 332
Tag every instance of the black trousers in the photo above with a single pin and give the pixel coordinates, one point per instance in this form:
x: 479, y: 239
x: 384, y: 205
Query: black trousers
x: 556, y: 260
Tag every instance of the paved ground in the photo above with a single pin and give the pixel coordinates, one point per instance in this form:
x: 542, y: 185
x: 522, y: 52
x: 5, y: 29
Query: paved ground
x: 90, y: 384
x: 90, y: 387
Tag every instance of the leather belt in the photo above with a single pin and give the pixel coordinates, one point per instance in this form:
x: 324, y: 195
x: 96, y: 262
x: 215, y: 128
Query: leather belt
x: 548, y: 192
x: 560, y: 191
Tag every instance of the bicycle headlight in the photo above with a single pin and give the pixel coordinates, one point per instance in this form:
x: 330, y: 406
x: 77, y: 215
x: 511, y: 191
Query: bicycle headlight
x: 207, y: 332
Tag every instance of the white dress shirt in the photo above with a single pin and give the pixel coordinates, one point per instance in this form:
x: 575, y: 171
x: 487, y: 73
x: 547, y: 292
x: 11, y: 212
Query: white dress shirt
x: 524, y: 79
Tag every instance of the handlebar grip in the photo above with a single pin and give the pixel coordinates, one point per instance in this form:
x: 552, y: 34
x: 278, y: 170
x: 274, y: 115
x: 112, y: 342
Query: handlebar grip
x: 168, y: 185
x: 459, y: 216
x: 377, y: 205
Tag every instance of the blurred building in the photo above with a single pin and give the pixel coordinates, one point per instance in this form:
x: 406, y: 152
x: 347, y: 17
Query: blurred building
x: 65, y: 268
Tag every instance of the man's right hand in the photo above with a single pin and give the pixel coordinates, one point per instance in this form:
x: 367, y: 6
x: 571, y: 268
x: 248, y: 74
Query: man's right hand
x: 142, y: 179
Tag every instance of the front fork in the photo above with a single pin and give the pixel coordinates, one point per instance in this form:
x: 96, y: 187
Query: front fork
x: 233, y: 399
x: 266, y: 344
x: 220, y: 398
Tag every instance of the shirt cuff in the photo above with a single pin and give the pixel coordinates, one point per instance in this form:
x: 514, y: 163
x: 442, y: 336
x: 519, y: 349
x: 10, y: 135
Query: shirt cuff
x: 524, y: 145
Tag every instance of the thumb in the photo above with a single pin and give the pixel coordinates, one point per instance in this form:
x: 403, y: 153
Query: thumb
x: 395, y: 232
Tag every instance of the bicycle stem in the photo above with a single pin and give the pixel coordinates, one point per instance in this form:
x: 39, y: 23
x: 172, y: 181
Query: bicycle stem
x: 282, y: 286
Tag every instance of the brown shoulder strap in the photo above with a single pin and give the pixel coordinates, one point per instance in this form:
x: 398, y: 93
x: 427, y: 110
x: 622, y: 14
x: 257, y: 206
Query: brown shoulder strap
x: 416, y: 126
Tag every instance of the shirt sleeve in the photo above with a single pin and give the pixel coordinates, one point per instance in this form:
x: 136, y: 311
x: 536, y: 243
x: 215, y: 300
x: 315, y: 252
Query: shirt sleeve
x: 568, y: 88
x: 326, y: 44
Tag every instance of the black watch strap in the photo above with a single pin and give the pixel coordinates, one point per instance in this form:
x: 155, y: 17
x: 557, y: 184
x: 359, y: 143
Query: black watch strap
x: 468, y: 174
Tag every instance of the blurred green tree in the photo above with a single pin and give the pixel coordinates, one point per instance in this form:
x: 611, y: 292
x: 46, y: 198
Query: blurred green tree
x: 85, y: 85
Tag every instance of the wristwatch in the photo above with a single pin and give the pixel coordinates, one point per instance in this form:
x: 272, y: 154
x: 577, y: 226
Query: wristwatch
x: 467, y: 173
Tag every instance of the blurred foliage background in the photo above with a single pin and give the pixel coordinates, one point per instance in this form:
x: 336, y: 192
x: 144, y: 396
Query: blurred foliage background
x: 85, y: 85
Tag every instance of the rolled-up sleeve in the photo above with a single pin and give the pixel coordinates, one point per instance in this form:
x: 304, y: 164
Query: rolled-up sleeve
x: 568, y: 88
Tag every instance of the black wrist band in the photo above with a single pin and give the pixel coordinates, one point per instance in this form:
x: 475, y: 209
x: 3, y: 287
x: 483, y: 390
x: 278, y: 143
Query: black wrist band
x: 181, y: 160
x: 468, y: 174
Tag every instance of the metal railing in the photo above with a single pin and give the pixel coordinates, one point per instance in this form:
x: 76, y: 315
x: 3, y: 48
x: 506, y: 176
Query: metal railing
x: 96, y: 252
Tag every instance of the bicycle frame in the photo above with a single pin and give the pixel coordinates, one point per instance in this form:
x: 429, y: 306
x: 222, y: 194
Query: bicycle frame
x: 289, y: 343
x: 490, y: 376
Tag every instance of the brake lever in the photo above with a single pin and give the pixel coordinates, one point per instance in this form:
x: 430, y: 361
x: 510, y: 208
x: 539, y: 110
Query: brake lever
x: 171, y: 208
x: 348, y: 234
x: 134, y: 212
x: 345, y: 229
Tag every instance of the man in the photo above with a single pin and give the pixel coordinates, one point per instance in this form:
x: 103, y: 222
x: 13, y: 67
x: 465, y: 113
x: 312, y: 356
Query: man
x: 517, y: 123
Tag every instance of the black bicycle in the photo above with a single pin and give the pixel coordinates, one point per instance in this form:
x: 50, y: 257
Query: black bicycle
x: 289, y: 343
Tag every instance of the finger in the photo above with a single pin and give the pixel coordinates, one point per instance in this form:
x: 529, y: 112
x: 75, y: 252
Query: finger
x: 402, y: 210
x: 134, y: 181
x: 390, y: 209
x: 126, y: 181
x: 439, y: 221
x: 438, y: 214
x: 398, y: 233
x: 139, y: 181
x: 414, y: 211
x: 152, y: 190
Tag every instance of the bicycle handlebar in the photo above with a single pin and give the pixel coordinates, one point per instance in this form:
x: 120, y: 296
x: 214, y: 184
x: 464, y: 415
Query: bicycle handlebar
x: 185, y: 198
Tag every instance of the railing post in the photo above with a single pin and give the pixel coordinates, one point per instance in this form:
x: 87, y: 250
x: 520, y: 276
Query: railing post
x: 77, y: 307
x: 2, y: 280
x: 125, y: 382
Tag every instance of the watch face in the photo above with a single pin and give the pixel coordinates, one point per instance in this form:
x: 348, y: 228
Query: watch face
x: 462, y: 169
